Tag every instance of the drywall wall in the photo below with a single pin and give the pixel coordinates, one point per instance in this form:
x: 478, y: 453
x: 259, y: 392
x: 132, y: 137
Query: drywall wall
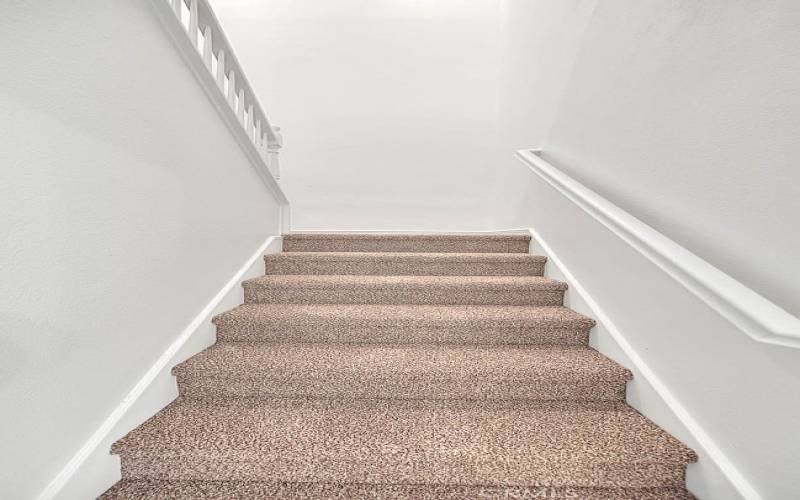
x: 538, y: 49
x: 538, y: 52
x: 683, y: 113
x: 126, y: 206
x: 389, y: 106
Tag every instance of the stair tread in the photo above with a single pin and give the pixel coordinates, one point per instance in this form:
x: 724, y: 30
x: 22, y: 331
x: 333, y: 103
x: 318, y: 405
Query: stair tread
x: 405, y: 263
x: 400, y: 289
x: 404, y: 441
x: 521, y: 283
x: 504, y: 364
x: 257, y: 490
x: 403, y: 371
x: 404, y: 323
x: 407, y: 242
x: 411, y: 314
x: 426, y: 256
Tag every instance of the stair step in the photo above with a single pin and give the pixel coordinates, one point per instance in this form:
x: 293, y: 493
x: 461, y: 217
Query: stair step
x: 261, y: 370
x: 401, y: 242
x: 144, y: 489
x: 605, y: 445
x: 391, y: 323
x: 394, y: 263
x: 343, y: 289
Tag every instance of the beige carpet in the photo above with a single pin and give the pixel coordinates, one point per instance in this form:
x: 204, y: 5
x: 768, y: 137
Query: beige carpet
x: 401, y: 366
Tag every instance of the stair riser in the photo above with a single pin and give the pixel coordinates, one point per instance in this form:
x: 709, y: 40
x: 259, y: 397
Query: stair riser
x: 401, y: 295
x: 400, y: 267
x: 378, y: 334
x: 420, y: 387
x: 250, y: 490
x: 421, y: 468
x: 406, y: 244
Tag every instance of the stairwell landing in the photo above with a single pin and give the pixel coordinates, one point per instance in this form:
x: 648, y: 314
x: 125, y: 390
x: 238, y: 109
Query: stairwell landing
x: 401, y: 366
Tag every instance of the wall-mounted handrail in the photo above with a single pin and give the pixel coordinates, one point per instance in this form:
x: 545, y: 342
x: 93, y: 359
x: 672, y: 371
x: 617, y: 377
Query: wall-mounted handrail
x: 207, y: 36
x: 758, y: 317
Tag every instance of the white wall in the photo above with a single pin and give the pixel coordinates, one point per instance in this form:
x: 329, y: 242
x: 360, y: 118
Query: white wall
x: 117, y: 228
x: 126, y: 205
x: 540, y: 42
x: 686, y: 115
x: 389, y: 106
x: 683, y: 113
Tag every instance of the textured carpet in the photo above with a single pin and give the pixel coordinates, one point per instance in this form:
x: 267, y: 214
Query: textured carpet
x: 402, y: 323
x: 143, y: 489
x: 349, y: 289
x: 399, y: 263
x: 417, y: 243
x: 404, y: 441
x: 404, y: 372
x: 401, y: 366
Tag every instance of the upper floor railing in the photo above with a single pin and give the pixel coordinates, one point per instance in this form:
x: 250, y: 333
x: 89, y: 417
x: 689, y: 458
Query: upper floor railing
x: 207, y: 37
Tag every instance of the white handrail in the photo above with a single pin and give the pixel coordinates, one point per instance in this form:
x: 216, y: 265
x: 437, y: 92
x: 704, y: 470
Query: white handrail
x: 206, y: 35
x: 752, y: 313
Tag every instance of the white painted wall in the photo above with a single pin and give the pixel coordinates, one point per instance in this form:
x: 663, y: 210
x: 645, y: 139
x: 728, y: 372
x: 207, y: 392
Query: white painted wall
x: 686, y: 115
x: 126, y: 206
x: 118, y: 228
x: 683, y: 113
x: 389, y: 106
x: 540, y: 42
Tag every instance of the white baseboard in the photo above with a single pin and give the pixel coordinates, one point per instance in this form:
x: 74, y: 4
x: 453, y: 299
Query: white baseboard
x: 714, y: 476
x: 93, y: 469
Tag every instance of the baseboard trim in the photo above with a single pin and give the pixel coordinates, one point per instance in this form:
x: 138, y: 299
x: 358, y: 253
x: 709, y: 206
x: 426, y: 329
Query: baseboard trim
x: 701, y: 437
x: 230, y: 292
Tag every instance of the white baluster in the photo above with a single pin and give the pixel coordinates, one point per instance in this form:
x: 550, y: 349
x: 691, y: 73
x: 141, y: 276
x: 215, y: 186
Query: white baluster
x: 221, y: 71
x: 257, y: 137
x: 248, y: 126
x: 207, y: 49
x: 273, y: 149
x: 240, y: 107
x: 194, y: 14
x: 262, y: 147
x: 232, y: 90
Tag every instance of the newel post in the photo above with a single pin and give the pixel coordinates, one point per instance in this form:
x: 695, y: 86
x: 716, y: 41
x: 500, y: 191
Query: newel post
x: 273, y: 148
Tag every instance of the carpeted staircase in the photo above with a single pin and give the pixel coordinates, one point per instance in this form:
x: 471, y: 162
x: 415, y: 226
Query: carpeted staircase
x: 401, y: 366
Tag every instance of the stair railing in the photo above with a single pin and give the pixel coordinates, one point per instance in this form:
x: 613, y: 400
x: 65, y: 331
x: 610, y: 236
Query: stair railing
x: 206, y: 35
x: 755, y: 315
